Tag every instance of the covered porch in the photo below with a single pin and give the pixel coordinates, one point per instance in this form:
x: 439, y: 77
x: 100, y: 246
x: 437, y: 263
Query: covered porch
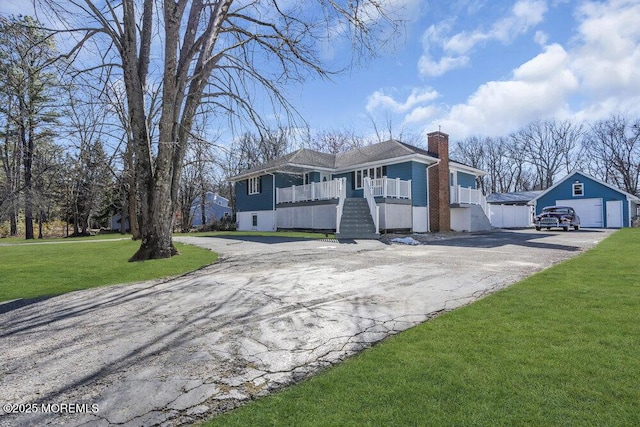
x: 319, y: 205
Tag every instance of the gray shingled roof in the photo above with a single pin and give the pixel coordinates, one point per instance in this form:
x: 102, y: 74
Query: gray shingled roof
x: 314, y: 159
x: 515, y: 197
x: 381, y: 151
x: 301, y: 157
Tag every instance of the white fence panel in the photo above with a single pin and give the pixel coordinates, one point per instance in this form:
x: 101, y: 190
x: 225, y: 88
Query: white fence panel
x: 509, y: 216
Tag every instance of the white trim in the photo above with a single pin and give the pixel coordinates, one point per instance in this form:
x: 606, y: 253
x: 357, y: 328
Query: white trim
x: 419, y: 158
x: 310, y: 167
x: 362, y: 176
x: 459, y: 167
x: 253, y: 185
x: 575, y: 193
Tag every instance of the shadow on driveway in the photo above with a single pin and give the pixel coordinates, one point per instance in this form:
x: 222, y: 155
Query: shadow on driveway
x: 502, y: 238
x: 8, y: 306
x: 269, y: 240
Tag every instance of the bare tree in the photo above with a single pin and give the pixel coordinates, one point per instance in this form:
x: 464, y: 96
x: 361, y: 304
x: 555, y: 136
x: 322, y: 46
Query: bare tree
x: 549, y: 147
x: 472, y: 151
x: 336, y: 141
x: 217, y: 52
x: 197, y: 175
x: 89, y: 164
x: 253, y: 150
x: 390, y: 131
x: 614, y: 146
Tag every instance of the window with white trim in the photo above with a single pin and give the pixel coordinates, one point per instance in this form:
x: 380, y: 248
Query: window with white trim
x: 253, y: 185
x: 372, y: 173
x: 578, y: 189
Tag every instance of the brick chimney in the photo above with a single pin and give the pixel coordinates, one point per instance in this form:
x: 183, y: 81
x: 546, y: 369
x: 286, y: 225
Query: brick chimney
x: 439, y: 211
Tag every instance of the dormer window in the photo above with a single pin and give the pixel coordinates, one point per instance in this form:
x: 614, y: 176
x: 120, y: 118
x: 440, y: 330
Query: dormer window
x: 578, y: 189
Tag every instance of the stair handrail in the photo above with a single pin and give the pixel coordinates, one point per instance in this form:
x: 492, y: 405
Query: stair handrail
x: 374, y: 209
x: 342, y: 195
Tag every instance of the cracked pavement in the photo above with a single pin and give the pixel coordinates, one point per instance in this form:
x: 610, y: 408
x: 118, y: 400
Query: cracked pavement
x: 268, y: 314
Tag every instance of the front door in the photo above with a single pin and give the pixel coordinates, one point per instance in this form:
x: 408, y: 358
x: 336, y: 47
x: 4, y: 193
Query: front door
x: 614, y: 214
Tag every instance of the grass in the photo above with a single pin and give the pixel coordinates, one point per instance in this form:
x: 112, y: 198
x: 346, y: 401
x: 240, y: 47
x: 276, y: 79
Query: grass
x: 22, y: 240
x: 559, y: 348
x: 35, y: 270
x: 290, y: 234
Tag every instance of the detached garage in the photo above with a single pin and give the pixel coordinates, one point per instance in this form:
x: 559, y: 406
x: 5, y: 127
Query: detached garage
x: 598, y: 204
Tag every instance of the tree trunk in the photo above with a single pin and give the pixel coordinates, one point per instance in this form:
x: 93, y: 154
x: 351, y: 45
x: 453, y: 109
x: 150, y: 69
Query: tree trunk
x: 40, y: 215
x: 13, y: 223
x: 28, y: 185
x: 156, y: 227
x: 203, y: 211
x: 134, y: 224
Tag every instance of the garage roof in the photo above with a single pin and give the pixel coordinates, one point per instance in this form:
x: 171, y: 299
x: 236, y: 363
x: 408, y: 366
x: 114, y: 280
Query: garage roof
x: 574, y: 173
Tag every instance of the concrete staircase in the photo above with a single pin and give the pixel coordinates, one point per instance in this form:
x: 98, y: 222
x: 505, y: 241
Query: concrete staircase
x: 356, y: 220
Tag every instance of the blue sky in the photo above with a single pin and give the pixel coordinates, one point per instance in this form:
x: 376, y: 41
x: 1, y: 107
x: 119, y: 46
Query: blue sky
x: 489, y: 67
x: 481, y: 67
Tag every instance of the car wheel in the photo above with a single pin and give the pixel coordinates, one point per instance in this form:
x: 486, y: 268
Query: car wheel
x: 548, y: 228
x: 565, y: 228
x: 576, y: 227
x: 538, y: 228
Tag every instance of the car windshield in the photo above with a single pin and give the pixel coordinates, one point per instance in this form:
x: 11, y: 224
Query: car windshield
x: 557, y: 210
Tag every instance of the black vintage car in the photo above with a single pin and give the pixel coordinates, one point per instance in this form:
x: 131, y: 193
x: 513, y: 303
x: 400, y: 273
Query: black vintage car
x: 557, y: 217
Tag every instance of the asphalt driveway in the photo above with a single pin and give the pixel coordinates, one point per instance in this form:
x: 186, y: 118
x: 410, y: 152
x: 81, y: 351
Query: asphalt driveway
x: 268, y: 314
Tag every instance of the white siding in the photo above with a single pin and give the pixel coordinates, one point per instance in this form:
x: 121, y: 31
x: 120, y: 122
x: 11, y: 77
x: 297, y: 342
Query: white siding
x: 265, y: 221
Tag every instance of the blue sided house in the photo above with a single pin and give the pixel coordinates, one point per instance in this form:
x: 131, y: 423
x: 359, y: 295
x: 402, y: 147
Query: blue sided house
x: 214, y: 208
x: 387, y: 186
x: 598, y: 204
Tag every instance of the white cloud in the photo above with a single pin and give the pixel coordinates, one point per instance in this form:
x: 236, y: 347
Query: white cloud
x: 524, y: 15
x: 380, y: 100
x: 597, y: 74
x: 608, y: 58
x: 541, y: 38
x: 538, y: 89
x: 428, y: 67
x: 421, y: 114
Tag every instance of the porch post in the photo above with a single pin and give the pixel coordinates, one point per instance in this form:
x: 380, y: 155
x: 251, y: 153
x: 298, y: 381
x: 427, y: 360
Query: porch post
x: 293, y: 194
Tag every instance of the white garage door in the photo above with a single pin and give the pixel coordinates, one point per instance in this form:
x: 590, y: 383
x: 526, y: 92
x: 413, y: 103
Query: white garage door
x: 589, y: 211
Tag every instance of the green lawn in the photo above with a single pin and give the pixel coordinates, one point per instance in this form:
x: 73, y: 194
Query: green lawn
x: 22, y: 240
x: 561, y: 348
x: 34, y: 270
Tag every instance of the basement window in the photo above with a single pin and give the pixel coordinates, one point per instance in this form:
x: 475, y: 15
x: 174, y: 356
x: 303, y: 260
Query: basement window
x: 578, y: 189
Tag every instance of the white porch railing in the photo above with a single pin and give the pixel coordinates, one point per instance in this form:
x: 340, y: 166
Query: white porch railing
x: 389, y: 187
x: 469, y: 196
x: 373, y: 208
x: 314, y: 191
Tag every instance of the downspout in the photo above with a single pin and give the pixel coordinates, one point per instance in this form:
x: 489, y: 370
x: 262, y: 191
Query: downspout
x: 428, y: 197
